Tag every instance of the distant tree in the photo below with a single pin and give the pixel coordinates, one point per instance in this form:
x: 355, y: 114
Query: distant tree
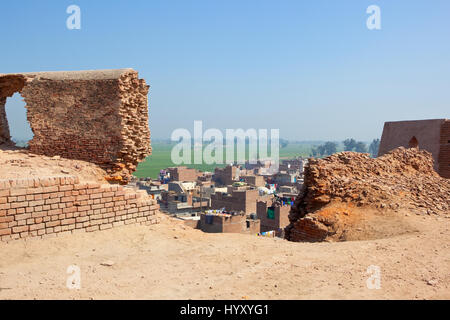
x: 330, y: 147
x: 314, y: 152
x: 361, y: 147
x: 324, y: 150
x: 349, y: 144
x: 283, y: 143
x: 374, y: 146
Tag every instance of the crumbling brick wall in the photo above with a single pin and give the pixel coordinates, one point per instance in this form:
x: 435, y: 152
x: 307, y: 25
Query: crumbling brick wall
x: 351, y: 196
x: 431, y: 135
x: 4, y: 127
x: 96, y: 116
x: 43, y: 207
x: 444, y: 152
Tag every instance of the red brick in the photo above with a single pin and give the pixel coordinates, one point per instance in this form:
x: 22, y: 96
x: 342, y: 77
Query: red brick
x: 20, y: 229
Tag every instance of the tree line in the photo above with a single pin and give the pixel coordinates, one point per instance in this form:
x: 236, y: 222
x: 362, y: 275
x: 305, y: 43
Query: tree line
x: 329, y: 147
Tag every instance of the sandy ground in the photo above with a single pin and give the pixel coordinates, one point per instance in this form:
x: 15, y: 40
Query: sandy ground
x: 172, y: 261
x: 19, y: 163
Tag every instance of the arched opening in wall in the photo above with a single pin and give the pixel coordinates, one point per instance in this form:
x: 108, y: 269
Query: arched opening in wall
x: 19, y: 127
x: 413, y: 143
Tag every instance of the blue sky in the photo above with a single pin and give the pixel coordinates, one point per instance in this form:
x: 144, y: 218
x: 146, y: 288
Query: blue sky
x: 309, y: 68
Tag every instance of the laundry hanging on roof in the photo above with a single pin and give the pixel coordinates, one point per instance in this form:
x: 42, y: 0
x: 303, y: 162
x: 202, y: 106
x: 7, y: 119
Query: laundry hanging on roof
x: 271, y: 213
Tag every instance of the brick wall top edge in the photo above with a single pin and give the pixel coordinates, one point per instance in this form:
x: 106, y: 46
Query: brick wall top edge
x: 37, y: 182
x: 416, y: 121
x: 76, y: 75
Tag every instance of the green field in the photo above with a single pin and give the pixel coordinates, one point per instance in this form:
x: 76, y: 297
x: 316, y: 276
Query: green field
x: 161, y: 158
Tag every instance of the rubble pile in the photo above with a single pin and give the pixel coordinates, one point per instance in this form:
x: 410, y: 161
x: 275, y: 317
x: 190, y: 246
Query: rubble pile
x: 348, y: 191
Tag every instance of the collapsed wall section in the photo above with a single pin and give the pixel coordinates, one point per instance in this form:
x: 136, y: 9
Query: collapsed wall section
x: 43, y: 207
x: 351, y: 196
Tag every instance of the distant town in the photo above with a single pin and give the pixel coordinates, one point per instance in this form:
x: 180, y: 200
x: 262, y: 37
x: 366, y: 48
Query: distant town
x: 237, y: 198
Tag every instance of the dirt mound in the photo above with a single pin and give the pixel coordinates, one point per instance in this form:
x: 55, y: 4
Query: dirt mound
x: 19, y: 163
x: 350, y: 196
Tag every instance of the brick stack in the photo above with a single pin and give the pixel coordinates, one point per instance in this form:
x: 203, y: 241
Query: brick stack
x: 44, y: 207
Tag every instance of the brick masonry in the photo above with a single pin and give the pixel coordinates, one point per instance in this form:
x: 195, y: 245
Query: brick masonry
x: 98, y: 116
x: 431, y: 135
x: 444, y: 152
x: 43, y: 207
x: 280, y: 221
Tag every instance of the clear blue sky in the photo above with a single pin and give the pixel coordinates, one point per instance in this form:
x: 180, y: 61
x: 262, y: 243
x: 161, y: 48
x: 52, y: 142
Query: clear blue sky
x: 310, y: 68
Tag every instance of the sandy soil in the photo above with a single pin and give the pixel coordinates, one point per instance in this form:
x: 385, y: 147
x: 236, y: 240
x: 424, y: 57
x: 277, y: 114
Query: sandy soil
x: 19, y: 163
x: 172, y: 261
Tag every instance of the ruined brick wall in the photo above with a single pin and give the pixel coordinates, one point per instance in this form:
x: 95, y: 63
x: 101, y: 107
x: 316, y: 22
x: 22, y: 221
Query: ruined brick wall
x: 96, y: 116
x: 9, y: 84
x: 43, y: 207
x: 444, y: 152
x: 351, y: 196
x: 400, y: 133
x: 4, y: 127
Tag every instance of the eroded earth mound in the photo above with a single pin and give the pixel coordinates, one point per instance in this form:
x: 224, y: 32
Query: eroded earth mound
x: 19, y: 163
x: 351, y: 196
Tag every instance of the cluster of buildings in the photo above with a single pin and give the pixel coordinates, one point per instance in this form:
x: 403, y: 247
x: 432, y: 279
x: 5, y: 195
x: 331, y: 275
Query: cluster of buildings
x: 237, y: 198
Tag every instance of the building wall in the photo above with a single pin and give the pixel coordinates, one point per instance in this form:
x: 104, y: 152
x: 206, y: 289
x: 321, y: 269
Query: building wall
x: 183, y: 174
x: 226, y: 176
x: 96, y: 116
x: 244, y: 200
x: 257, y: 181
x: 308, y: 230
x: 232, y: 224
x: 444, y: 152
x: 43, y: 207
x: 399, y: 134
x: 281, y: 216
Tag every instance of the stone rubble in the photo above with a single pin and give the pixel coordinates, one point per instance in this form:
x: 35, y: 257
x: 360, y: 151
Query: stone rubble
x: 343, y: 186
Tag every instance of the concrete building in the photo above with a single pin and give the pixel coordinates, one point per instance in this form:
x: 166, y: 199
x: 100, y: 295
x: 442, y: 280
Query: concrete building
x: 183, y: 174
x: 228, y: 223
x: 237, y: 199
x: 285, y: 178
x: 273, y: 216
x: 430, y: 135
x: 153, y: 188
x: 296, y: 164
x: 226, y: 176
x: 254, y: 180
x: 181, y: 198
